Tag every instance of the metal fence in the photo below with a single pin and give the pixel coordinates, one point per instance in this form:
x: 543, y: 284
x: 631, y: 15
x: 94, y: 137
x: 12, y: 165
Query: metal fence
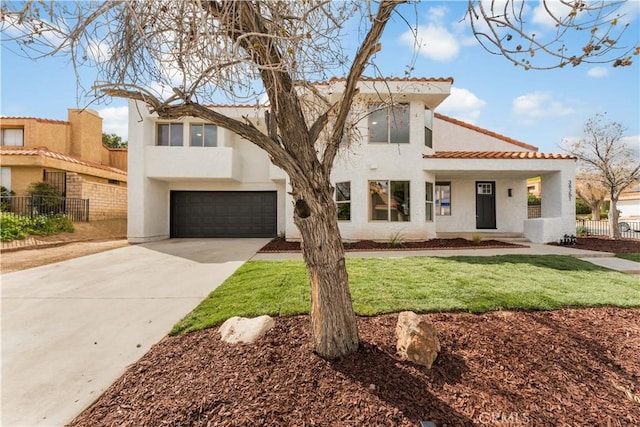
x: 76, y: 209
x: 628, y: 229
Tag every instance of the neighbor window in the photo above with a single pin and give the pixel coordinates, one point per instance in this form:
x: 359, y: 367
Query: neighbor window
x: 429, y: 202
x: 443, y: 198
x: 5, y: 178
x: 203, y: 135
x: 170, y: 134
x: 389, y: 124
x: 12, y: 137
x: 428, y: 128
x: 389, y: 200
x: 343, y: 200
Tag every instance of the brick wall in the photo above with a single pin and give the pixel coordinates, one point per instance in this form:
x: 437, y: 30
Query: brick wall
x: 106, y: 201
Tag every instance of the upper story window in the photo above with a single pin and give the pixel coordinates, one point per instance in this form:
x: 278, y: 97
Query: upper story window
x: 343, y: 200
x: 428, y: 128
x: 170, y: 134
x: 203, y: 135
x: 389, y: 200
x: 12, y: 137
x: 389, y: 124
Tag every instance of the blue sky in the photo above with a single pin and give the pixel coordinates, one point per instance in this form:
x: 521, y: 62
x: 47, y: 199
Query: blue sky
x: 537, y: 107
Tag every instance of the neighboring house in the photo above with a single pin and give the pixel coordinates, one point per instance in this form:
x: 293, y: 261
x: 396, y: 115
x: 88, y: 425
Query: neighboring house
x: 67, y: 154
x: 629, y: 203
x: 412, y: 173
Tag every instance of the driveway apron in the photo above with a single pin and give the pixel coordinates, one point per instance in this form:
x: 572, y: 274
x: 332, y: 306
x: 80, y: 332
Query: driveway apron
x: 70, y: 329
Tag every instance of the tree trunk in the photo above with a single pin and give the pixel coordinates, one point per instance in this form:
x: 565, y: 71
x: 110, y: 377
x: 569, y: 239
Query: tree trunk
x: 614, y: 231
x: 333, y: 322
x: 595, y: 211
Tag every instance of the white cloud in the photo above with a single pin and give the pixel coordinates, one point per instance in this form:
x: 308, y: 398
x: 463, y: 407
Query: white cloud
x: 633, y: 142
x: 539, y: 104
x: 463, y: 105
x: 558, y: 9
x: 115, y: 120
x: 433, y: 41
x: 598, y: 72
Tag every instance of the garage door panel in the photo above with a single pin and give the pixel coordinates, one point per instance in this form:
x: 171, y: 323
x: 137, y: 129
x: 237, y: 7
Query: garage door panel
x: 223, y: 213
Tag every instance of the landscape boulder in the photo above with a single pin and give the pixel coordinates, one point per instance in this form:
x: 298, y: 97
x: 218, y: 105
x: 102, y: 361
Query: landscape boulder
x: 244, y: 330
x: 417, y: 339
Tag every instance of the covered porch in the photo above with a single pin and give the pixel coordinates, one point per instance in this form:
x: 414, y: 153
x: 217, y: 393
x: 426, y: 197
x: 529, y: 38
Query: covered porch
x: 486, y: 193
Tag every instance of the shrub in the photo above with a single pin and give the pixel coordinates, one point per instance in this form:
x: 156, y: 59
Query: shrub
x: 533, y: 200
x: 46, y: 198
x: 13, y: 227
x: 40, y: 188
x: 17, y: 227
x: 582, y: 231
x: 582, y: 208
x: 5, y: 202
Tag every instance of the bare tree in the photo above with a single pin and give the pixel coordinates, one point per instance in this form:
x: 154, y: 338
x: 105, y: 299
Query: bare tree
x: 590, y: 189
x: 603, y: 154
x: 179, y: 56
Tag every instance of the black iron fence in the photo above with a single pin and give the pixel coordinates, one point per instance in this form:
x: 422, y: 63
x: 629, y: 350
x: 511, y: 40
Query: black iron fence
x: 76, y: 209
x: 628, y: 229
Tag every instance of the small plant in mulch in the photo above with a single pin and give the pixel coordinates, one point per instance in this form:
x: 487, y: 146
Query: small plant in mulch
x: 476, y: 238
x: 396, y: 240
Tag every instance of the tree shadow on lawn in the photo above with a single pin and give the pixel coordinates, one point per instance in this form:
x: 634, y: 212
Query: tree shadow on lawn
x: 406, y: 386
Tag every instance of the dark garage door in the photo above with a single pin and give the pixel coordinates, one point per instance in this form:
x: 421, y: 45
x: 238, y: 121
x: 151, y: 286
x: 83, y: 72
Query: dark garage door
x: 223, y: 214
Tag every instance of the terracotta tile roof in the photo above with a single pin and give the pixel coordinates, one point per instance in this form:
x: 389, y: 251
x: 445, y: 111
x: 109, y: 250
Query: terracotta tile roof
x: 533, y: 155
x: 485, y: 131
x: 45, y: 152
x: 62, y: 122
x: 393, y: 79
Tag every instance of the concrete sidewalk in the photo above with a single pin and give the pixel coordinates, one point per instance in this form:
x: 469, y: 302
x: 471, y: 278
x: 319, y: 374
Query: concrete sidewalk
x: 70, y: 329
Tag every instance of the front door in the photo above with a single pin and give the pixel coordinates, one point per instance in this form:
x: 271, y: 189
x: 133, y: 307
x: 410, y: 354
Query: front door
x: 485, y: 204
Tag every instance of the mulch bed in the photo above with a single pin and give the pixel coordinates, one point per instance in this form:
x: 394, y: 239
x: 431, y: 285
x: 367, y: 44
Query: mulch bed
x: 281, y: 245
x: 564, y: 367
x: 603, y: 244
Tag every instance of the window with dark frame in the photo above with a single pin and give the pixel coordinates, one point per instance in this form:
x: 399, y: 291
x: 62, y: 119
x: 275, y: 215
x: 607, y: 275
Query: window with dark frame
x: 204, y: 135
x: 389, y: 201
x: 429, y: 202
x: 428, y: 128
x: 343, y: 200
x: 443, y: 198
x: 170, y: 134
x: 389, y: 124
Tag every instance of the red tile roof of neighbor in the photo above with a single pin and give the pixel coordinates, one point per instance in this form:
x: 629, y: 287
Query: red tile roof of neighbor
x: 45, y: 152
x: 485, y: 131
x: 496, y: 155
x: 62, y: 122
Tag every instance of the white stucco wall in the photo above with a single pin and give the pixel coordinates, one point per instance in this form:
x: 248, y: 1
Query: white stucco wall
x: 394, y: 162
x: 234, y: 165
x: 449, y: 136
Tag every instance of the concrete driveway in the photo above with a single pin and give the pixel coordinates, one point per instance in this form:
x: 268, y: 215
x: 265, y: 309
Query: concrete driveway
x: 70, y: 329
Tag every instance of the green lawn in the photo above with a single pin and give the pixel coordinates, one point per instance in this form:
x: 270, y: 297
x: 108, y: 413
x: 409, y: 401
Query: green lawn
x: 631, y: 257
x: 422, y: 284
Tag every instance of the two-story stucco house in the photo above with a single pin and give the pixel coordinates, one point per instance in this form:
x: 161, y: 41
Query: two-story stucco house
x: 68, y: 155
x: 411, y: 173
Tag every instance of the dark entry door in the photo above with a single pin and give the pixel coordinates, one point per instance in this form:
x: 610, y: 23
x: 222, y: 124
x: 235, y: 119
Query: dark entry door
x: 223, y: 213
x: 485, y: 204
